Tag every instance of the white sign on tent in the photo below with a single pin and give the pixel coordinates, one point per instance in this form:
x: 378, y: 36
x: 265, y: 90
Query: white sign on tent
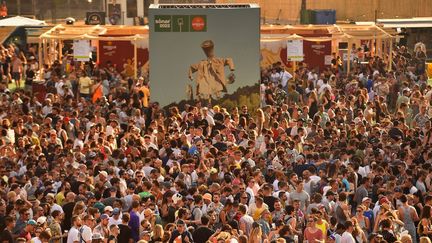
x: 295, y: 50
x: 81, y: 50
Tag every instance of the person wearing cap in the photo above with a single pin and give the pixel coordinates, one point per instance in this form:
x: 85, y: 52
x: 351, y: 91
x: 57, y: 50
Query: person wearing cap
x: 115, y: 217
x: 108, y: 210
x: 97, y: 238
x: 181, y: 234
x: 102, y: 227
x: 207, y: 199
x: 50, y: 199
x: 329, y: 201
x: 210, y: 77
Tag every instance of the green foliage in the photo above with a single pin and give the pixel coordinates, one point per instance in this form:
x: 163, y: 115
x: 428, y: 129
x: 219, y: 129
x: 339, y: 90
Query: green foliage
x: 248, y: 95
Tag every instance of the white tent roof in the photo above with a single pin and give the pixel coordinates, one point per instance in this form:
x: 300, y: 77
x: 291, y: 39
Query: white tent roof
x: 21, y: 21
x: 416, y: 22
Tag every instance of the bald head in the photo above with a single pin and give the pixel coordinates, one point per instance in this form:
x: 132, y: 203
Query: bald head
x: 70, y: 196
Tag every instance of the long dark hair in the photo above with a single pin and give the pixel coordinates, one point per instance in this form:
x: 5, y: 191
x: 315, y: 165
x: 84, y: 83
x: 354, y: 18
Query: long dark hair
x: 426, y: 212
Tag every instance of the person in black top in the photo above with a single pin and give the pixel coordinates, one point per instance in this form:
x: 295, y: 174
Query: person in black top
x: 6, y: 234
x: 386, y: 233
x: 68, y: 209
x: 203, y: 233
x: 181, y: 232
x: 114, y: 233
x: 125, y: 231
x: 268, y: 198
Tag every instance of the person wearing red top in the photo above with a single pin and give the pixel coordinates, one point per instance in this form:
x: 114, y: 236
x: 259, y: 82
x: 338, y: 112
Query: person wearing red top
x: 3, y: 10
x: 312, y: 233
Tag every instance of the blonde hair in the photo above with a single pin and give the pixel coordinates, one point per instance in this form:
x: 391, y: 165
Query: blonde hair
x: 78, y: 206
x: 425, y: 239
x: 255, y: 234
x: 405, y: 238
x: 158, y: 232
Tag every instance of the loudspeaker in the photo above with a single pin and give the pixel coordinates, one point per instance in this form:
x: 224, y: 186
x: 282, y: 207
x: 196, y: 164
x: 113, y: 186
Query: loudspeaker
x: 95, y: 18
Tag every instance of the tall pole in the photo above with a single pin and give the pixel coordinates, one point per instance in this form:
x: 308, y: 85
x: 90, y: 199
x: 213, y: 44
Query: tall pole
x: 69, y: 8
x: 19, y: 7
x: 45, y: 52
x: 349, y: 57
x: 60, y: 45
x: 40, y: 58
x: 135, y: 60
x: 390, y: 61
x: 34, y: 8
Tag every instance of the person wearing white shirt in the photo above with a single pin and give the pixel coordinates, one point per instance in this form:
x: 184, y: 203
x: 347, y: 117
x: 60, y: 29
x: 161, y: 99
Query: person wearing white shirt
x: 73, y: 235
x: 285, y: 76
x: 50, y: 199
x: 323, y: 87
x: 115, y: 218
x: 59, y: 87
x: 347, y: 236
x: 275, y: 77
x: 312, y: 75
x: 85, y: 232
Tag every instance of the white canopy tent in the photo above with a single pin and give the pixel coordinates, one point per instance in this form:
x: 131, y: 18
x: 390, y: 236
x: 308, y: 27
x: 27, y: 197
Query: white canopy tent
x: 21, y: 21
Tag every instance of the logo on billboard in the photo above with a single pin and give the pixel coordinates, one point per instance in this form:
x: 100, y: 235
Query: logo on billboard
x: 198, y: 23
x: 180, y: 23
x: 163, y: 23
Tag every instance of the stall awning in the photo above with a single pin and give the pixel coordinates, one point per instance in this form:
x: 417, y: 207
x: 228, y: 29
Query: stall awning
x: 5, y: 32
x: 96, y: 32
x: 421, y: 22
x: 21, y: 21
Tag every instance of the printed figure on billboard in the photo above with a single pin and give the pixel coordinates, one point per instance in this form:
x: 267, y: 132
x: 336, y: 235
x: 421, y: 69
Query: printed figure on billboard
x: 210, y: 74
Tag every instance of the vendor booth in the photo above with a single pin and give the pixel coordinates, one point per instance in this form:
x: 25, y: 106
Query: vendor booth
x: 125, y: 47
x: 116, y: 44
x: 320, y: 41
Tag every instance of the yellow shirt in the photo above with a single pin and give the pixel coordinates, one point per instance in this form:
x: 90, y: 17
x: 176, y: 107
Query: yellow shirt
x: 85, y: 83
x: 59, y: 198
x: 145, y: 98
x: 322, y: 227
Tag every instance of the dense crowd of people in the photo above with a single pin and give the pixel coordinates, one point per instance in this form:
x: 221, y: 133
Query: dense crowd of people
x: 329, y: 157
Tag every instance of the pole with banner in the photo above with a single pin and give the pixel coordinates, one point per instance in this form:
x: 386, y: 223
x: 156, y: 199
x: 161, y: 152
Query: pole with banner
x: 81, y: 50
x: 135, y: 59
x: 295, y: 52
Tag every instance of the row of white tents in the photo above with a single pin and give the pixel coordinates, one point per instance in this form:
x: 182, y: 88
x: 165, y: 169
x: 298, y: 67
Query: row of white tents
x: 21, y: 21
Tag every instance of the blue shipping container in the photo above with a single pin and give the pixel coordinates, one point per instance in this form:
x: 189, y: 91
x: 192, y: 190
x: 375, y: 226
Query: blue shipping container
x: 326, y: 16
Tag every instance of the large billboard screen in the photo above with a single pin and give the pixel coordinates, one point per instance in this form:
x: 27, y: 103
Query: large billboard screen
x: 203, y: 53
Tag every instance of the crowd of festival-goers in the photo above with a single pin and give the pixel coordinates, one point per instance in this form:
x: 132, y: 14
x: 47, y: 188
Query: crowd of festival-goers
x: 329, y: 157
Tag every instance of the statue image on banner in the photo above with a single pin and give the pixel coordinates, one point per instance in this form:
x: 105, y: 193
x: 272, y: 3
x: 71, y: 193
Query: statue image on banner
x: 210, y: 74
